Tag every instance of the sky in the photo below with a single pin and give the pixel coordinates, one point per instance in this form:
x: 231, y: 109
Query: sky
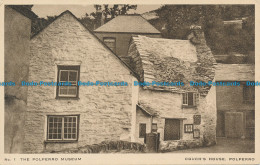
x: 81, y: 10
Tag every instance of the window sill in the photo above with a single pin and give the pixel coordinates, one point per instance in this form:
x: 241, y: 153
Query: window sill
x: 189, y: 106
x: 177, y: 140
x: 60, y: 141
x: 67, y: 98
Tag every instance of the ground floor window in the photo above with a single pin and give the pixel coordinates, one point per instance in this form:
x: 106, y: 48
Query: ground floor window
x: 172, y: 129
x: 62, y: 127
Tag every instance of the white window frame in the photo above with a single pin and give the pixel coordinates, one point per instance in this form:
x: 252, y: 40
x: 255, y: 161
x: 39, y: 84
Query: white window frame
x: 62, y: 128
x: 61, y: 68
x: 76, y: 83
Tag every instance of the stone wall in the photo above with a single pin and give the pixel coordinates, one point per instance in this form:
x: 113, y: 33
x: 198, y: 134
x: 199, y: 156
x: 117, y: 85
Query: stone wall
x: 169, y: 105
x: 105, y: 112
x: 231, y: 98
x: 16, y: 66
x: 16, y: 50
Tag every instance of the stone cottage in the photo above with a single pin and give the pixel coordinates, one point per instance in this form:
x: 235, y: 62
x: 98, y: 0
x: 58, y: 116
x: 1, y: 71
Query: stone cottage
x: 61, y: 117
x: 17, y: 26
x: 116, y: 34
x: 184, y: 115
x: 236, y: 104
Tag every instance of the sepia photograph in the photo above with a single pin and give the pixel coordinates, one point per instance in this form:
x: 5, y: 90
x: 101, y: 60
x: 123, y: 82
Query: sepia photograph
x: 131, y: 79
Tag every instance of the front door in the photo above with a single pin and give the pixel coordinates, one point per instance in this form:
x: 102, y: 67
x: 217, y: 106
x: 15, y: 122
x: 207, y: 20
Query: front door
x: 172, y: 129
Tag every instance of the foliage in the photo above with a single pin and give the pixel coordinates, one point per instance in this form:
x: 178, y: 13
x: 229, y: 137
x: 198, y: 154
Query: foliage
x: 105, y: 13
x: 220, y: 38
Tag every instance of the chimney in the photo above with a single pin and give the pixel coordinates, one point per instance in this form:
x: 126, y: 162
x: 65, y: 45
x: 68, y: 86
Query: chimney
x: 196, y: 35
x: 102, y: 21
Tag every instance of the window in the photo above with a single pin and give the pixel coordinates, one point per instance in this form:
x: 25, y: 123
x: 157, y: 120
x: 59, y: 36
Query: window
x: 142, y: 130
x: 62, y: 128
x: 111, y: 43
x: 190, y: 99
x: 154, y: 127
x: 68, y: 74
x: 248, y: 94
x: 188, y: 128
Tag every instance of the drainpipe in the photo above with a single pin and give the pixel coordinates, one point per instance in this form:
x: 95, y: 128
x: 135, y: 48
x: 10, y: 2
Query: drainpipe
x: 151, y: 124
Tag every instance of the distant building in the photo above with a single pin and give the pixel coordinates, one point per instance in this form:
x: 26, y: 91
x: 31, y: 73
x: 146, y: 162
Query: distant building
x: 116, y: 34
x: 235, y: 104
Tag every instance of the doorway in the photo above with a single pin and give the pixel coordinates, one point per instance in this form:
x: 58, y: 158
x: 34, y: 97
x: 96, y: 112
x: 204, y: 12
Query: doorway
x: 172, y: 129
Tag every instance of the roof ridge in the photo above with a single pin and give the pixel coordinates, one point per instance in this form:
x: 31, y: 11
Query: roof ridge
x: 69, y: 12
x: 122, y: 24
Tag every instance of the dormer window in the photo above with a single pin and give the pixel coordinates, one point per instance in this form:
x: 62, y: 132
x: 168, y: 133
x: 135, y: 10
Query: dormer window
x: 190, y: 99
x: 111, y: 43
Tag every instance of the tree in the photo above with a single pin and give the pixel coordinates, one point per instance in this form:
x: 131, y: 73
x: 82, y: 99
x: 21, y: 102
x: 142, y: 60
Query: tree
x: 109, y: 12
x: 222, y: 40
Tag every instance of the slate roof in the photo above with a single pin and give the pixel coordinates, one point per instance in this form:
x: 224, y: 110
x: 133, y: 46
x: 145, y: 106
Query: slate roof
x: 235, y: 72
x: 128, y: 24
x: 168, y: 60
x: 147, y: 109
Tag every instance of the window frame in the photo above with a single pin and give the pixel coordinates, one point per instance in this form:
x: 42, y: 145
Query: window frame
x: 195, y: 99
x: 62, y: 130
x: 186, y: 128
x: 72, y: 68
x: 114, y: 48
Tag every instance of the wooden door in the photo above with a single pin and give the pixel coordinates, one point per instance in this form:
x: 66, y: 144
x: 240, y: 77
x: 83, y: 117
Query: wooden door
x: 172, y: 129
x: 234, y: 124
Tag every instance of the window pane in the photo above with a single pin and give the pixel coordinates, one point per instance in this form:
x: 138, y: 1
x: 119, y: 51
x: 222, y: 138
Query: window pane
x: 64, y: 90
x: 54, y: 127
x: 72, y: 90
x: 70, y: 128
x: 185, y: 96
x: 64, y: 75
x: 190, y: 98
x: 73, y: 76
x: 112, y: 45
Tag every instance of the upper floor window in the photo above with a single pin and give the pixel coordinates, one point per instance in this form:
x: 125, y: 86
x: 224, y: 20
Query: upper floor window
x: 62, y: 127
x: 68, y: 74
x: 190, y: 99
x: 111, y: 43
x: 248, y: 94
